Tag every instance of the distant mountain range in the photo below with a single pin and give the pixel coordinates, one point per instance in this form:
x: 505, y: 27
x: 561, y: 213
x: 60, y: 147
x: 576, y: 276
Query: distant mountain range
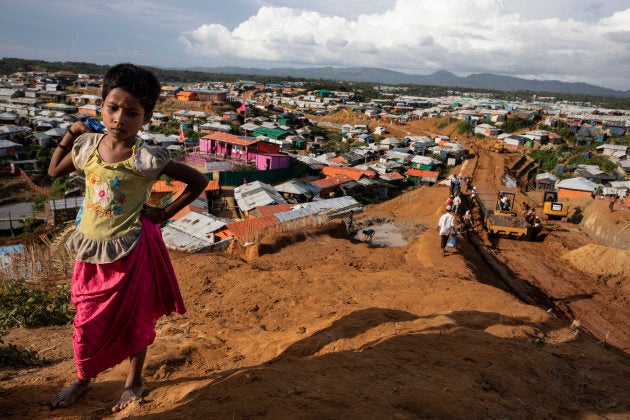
x: 482, y: 81
x: 439, y: 78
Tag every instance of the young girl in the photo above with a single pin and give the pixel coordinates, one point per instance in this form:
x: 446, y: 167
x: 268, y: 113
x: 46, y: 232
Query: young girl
x: 123, y: 280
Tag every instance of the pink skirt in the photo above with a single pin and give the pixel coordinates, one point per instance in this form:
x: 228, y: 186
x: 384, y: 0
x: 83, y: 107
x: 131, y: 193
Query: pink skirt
x: 118, y: 304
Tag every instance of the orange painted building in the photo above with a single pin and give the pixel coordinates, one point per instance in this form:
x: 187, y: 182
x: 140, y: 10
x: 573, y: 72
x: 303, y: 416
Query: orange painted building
x: 92, y: 110
x: 186, y: 95
x: 576, y: 188
x: 568, y: 193
x: 352, y: 173
x: 162, y: 189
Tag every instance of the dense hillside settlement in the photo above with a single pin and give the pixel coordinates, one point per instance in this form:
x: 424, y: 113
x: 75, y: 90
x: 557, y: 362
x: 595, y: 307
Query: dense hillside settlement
x: 311, y: 266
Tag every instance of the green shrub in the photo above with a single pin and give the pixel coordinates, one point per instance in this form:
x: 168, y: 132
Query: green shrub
x: 12, y: 355
x: 464, y: 128
x: 26, y: 307
x: 562, y: 129
x: 244, y: 168
x: 547, y: 159
x: 515, y: 123
x: 601, y: 161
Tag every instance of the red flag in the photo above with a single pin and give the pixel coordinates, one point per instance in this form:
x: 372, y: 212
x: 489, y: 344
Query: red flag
x: 181, y: 137
x: 242, y: 107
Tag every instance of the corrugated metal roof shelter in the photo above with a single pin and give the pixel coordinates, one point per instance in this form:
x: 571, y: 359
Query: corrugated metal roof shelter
x: 398, y: 154
x: 424, y: 176
x: 256, y: 194
x: 232, y: 139
x: 546, y: 181
x: 392, y: 176
x: 247, y: 230
x: 333, y: 207
x: 193, y: 232
x: 546, y: 176
x: 249, y: 126
x: 425, y: 160
x: 385, y: 167
x: 5, y: 144
x: 579, y: 184
x: 609, y: 149
x: 270, y: 210
x: 330, y: 183
x: 272, y: 133
x: 353, y: 173
x: 298, y: 187
x: 68, y: 203
x: 621, y: 184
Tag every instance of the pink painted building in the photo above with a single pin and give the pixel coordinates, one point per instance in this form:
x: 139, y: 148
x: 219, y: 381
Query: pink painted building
x: 265, y: 161
x: 229, y: 146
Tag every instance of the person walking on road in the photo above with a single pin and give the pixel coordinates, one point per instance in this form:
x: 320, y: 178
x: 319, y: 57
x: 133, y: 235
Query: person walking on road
x: 445, y: 227
x: 469, y: 184
x: 613, y: 200
x: 455, y: 185
x: 467, y: 221
x: 456, y: 202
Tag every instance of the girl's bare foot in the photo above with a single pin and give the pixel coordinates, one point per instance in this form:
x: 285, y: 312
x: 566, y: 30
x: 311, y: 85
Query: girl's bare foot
x: 128, y: 396
x: 133, y: 385
x: 68, y: 396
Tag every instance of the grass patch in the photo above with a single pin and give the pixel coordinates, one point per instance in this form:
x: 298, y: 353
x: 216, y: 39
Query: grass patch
x: 443, y: 125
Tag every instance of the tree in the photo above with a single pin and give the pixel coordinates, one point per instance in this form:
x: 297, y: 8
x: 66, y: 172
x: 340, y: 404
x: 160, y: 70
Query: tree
x: 515, y: 123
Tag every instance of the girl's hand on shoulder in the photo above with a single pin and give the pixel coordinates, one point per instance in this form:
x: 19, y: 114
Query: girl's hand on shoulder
x: 156, y: 215
x: 76, y: 130
x: 79, y: 128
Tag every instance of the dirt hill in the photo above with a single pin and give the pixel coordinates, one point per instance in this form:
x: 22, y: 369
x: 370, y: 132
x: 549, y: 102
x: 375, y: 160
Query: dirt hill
x: 322, y: 325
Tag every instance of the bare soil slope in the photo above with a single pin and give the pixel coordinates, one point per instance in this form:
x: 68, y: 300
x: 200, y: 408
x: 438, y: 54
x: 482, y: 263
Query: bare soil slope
x: 320, y: 325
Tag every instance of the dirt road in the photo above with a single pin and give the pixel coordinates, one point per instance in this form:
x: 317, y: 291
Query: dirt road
x: 576, y: 295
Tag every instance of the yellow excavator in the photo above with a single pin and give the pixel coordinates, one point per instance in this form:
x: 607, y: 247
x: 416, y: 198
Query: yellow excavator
x: 552, y: 208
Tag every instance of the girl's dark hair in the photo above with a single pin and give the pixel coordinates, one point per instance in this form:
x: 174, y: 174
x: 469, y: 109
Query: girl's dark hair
x: 139, y: 82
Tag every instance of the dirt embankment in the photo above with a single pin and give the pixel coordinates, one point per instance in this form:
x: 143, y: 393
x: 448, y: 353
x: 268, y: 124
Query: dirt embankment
x: 612, y: 229
x: 422, y: 127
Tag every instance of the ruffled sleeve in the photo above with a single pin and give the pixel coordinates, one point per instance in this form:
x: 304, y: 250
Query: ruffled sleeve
x: 81, y: 149
x: 150, y: 161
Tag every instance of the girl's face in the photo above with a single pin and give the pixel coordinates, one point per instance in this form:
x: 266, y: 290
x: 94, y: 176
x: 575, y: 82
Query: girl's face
x: 123, y: 115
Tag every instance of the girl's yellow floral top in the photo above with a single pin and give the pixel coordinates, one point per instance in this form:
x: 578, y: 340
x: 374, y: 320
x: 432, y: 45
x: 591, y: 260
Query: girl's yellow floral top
x: 114, y: 195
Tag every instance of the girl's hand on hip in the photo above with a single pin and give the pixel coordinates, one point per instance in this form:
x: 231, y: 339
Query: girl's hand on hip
x: 154, y: 214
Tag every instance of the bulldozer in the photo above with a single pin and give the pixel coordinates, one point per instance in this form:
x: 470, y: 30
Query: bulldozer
x: 499, y: 147
x: 552, y: 208
x: 503, y: 220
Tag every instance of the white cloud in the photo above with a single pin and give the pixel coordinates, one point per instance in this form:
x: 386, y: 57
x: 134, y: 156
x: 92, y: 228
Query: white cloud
x: 421, y: 36
x: 560, y: 39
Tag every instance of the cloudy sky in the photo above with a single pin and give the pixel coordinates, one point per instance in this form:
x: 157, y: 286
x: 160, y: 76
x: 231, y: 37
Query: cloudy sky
x: 569, y: 40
